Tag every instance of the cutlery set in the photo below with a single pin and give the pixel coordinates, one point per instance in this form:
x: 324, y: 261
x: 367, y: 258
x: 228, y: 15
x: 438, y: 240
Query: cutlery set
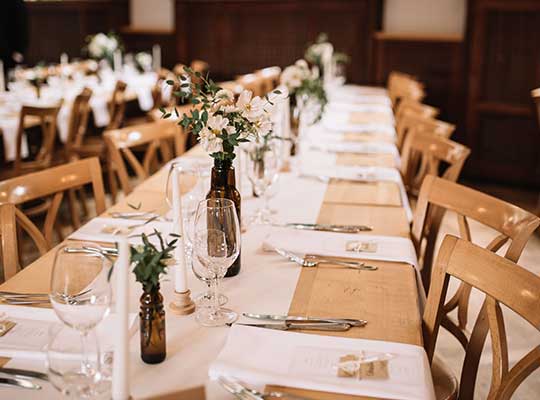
x: 327, y: 227
x: 19, y: 378
x: 291, y: 323
x: 242, y: 392
x: 313, y: 261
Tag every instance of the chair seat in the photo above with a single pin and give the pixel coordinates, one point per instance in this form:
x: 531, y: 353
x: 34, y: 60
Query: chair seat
x: 444, y: 380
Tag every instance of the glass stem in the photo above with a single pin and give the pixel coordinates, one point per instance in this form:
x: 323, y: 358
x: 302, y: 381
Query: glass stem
x: 215, y: 297
x: 266, y: 200
x: 85, y: 364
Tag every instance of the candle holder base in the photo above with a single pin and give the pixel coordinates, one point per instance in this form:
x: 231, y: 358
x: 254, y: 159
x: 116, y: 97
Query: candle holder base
x: 182, y: 304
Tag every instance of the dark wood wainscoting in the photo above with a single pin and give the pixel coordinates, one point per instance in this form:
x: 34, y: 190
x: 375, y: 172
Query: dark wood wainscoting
x: 504, y: 66
x: 136, y: 40
x: 62, y: 26
x: 239, y: 36
x: 436, y: 61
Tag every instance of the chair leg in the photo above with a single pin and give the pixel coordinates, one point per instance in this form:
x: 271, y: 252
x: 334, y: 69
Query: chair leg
x: 113, y: 187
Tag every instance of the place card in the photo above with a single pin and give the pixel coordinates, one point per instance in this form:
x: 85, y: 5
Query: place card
x: 361, y: 247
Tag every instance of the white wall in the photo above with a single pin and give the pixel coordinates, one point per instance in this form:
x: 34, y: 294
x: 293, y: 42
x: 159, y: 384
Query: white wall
x: 152, y: 14
x: 425, y: 17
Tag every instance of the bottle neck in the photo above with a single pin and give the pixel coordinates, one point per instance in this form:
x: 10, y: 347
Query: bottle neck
x: 223, y: 174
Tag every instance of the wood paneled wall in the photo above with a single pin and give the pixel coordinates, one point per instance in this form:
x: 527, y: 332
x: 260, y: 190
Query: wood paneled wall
x: 62, y: 26
x: 435, y: 60
x: 239, y: 36
x: 504, y: 66
x: 136, y: 40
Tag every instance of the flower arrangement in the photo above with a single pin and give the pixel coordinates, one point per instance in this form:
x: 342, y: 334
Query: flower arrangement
x: 143, y: 62
x: 320, y: 53
x: 102, y: 46
x: 301, y: 81
x: 219, y: 121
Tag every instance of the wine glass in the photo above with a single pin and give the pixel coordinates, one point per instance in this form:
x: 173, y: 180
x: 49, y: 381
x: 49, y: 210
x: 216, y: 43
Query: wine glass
x: 262, y: 166
x: 217, y: 242
x: 205, y: 299
x: 64, y: 356
x: 81, y: 295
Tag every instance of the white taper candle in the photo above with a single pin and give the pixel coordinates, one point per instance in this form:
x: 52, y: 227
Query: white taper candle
x: 156, y: 57
x: 180, y: 275
x: 117, y: 61
x: 64, y: 59
x: 120, y: 380
x: 237, y: 163
x: 2, y: 80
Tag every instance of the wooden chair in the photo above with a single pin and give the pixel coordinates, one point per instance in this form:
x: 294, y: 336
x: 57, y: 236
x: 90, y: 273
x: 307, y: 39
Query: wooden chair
x: 270, y: 78
x: 421, y: 110
x: 52, y: 183
x: 434, y: 154
x: 503, y: 282
x: 200, y: 66
x: 535, y: 94
x: 47, y: 117
x: 410, y: 120
x: 12, y: 219
x: 78, y: 125
x: 513, y: 224
x: 117, y: 106
x: 155, y: 136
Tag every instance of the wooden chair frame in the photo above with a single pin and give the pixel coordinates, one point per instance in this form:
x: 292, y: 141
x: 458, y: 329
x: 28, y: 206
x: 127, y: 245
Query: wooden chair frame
x: 53, y: 182
x: 11, y: 218
x: 432, y: 151
x: 482, y: 269
x: 47, y: 117
x: 421, y: 110
x: 156, y: 136
x: 117, y: 106
x: 410, y: 121
x: 78, y: 124
x: 253, y: 82
x: 270, y: 78
x: 513, y: 224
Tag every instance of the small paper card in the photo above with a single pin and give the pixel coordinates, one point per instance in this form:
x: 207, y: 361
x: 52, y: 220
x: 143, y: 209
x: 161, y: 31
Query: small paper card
x: 361, y: 247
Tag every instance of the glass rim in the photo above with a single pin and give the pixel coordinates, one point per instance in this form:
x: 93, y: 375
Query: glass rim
x: 227, y: 203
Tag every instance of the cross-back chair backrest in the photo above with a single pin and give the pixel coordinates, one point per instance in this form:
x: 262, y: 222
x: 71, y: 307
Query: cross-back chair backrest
x: 163, y: 138
x: 421, y: 110
x: 52, y: 183
x: 78, y: 122
x: 200, y: 66
x: 425, y: 154
x: 410, y: 121
x: 503, y: 282
x: 117, y: 105
x: 47, y: 117
x: 513, y: 226
x: 11, y: 218
x: 270, y: 78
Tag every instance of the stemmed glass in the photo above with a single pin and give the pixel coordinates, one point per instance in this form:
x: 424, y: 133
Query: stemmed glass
x: 81, y: 295
x: 217, y: 242
x: 263, y: 167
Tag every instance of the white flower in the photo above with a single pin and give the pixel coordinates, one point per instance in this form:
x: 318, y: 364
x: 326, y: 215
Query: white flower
x: 315, y: 73
x: 208, y: 136
x: 263, y: 127
x: 292, y: 77
x: 251, y: 108
x: 224, y: 97
x: 302, y: 64
x: 144, y: 60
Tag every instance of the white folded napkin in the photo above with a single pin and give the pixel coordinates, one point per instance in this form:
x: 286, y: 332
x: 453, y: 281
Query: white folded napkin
x: 99, y: 105
x: 306, y: 361
x: 63, y: 121
x: 345, y: 126
x: 9, y: 127
x: 373, y: 174
x: 359, y: 107
x: 358, y: 147
x: 144, y: 96
x: 388, y: 248
x: 100, y: 230
x: 29, y: 337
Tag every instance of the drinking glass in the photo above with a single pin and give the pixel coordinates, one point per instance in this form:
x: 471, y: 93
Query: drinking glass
x: 263, y: 167
x: 81, y: 295
x: 217, y: 242
x: 64, y: 356
x: 205, y: 299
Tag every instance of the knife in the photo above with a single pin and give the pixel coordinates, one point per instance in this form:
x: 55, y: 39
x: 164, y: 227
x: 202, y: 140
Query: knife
x: 329, y: 228
x: 314, y: 326
x: 24, y: 373
x: 22, y: 383
x: 292, y: 318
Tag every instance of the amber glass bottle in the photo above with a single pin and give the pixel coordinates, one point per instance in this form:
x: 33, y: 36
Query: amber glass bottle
x: 152, y: 320
x: 223, y: 186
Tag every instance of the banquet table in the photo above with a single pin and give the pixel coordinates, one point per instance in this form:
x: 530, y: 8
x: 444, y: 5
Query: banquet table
x: 387, y: 298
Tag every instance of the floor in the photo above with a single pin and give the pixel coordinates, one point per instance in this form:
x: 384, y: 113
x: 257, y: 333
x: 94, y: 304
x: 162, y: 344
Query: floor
x: 522, y: 337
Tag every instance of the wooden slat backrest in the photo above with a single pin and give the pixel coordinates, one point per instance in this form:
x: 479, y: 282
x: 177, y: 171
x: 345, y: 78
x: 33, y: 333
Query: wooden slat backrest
x: 10, y: 218
x: 165, y: 137
x: 410, y: 121
x: 253, y: 83
x: 433, y: 152
x: 117, y: 105
x: 78, y: 122
x: 513, y: 225
x: 270, y: 78
x: 503, y: 282
x: 53, y: 182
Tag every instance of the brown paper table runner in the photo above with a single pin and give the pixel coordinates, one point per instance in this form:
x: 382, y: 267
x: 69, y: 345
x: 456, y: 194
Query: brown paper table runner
x: 360, y: 117
x: 369, y: 193
x: 367, y: 160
